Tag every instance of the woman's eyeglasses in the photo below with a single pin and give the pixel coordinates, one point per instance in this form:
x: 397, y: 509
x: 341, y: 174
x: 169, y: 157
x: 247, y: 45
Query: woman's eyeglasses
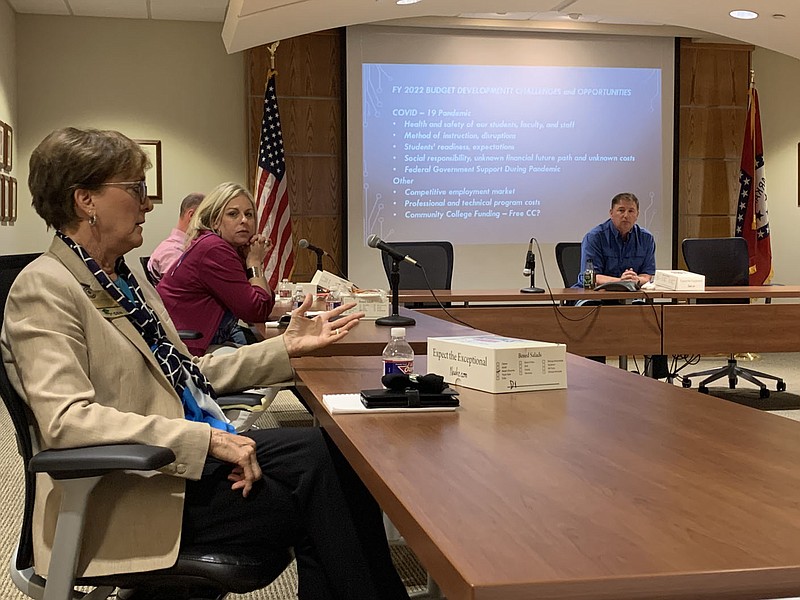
x: 137, y: 189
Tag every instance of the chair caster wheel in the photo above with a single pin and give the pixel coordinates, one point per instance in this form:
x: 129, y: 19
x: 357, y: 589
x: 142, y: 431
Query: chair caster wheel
x: 781, y: 387
x: 732, y: 383
x: 702, y: 389
x: 687, y: 383
x: 763, y: 392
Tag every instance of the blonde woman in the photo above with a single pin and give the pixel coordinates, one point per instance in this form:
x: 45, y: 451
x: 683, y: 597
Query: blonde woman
x: 219, y: 279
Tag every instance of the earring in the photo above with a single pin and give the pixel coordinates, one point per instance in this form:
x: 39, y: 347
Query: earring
x: 92, y: 219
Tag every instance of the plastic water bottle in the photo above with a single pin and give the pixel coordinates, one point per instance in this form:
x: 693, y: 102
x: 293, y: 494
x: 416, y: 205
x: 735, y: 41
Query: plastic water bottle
x: 398, y: 357
x: 285, y: 290
x: 299, y: 297
x: 334, y: 299
x: 588, y: 275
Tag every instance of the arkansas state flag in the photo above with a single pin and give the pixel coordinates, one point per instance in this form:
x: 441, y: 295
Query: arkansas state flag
x: 752, y: 216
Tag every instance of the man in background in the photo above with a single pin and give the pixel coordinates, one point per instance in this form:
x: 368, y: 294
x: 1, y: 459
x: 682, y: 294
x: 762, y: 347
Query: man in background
x: 170, y: 250
x: 619, y: 248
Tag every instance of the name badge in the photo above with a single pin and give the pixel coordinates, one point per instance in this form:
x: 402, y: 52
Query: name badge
x: 103, y: 302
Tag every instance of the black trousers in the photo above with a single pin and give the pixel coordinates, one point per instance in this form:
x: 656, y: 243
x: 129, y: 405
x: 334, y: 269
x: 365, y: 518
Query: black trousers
x: 309, y: 498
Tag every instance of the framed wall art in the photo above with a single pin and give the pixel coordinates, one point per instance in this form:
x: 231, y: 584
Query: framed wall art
x: 153, y: 176
x: 11, y: 199
x: 3, y: 209
x: 8, y: 199
x: 5, y: 146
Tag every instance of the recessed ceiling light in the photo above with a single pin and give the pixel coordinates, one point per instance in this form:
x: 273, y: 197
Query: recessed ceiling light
x: 778, y: 16
x: 406, y: 1
x: 743, y: 14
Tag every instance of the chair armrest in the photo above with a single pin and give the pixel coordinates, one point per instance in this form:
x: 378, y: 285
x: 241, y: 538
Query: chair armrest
x: 189, y: 334
x: 242, y: 400
x: 90, y: 461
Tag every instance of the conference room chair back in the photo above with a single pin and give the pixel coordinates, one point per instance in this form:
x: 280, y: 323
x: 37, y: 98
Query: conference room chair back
x: 723, y: 261
x: 144, y: 260
x: 435, y: 257
x: 568, y: 259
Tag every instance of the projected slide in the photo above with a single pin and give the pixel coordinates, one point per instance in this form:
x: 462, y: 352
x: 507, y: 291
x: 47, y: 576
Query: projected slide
x: 497, y: 154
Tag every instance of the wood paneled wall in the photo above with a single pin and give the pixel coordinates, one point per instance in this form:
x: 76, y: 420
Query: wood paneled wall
x: 712, y: 109
x: 310, y: 86
x: 714, y: 79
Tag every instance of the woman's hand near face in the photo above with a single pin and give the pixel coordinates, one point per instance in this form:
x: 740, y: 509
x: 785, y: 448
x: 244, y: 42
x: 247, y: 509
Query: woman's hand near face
x: 256, y: 250
x: 304, y: 335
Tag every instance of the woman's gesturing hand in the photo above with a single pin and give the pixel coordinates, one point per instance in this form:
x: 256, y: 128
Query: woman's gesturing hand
x: 303, y: 335
x: 240, y: 451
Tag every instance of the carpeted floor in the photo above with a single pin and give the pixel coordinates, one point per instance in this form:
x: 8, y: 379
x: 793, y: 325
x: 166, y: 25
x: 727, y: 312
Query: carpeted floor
x: 284, y: 412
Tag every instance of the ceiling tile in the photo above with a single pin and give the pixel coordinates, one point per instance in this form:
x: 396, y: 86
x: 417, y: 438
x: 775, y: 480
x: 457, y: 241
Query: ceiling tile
x: 40, y: 7
x: 189, y: 10
x: 129, y: 9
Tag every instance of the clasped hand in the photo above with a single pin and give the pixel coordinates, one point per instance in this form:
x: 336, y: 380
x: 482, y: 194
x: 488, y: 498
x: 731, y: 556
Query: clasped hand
x: 256, y: 250
x: 630, y: 274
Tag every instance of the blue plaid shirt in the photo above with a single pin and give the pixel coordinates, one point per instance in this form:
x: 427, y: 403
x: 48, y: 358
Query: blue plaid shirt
x: 612, y: 256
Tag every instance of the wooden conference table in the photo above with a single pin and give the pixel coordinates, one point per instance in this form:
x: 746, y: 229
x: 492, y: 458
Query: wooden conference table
x: 593, y: 492
x: 673, y: 325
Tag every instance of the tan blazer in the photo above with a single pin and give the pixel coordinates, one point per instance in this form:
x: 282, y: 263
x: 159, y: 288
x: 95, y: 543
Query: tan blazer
x: 89, y: 378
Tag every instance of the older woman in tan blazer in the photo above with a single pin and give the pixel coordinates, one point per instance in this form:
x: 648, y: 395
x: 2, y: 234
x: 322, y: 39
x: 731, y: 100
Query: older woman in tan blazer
x: 98, y: 360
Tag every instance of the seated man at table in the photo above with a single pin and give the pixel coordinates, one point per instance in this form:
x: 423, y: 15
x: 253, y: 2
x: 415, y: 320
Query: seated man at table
x: 619, y: 248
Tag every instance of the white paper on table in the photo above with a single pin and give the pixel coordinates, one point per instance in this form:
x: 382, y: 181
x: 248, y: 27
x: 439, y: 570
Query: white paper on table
x: 351, y: 403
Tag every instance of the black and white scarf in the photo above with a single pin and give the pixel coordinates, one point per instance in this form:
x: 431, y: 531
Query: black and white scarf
x: 192, y: 387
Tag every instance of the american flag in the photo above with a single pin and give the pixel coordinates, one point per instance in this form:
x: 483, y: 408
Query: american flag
x: 272, y: 199
x: 752, y: 216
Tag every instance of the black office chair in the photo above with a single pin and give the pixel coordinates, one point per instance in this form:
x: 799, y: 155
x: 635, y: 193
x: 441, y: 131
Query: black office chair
x: 724, y: 262
x: 568, y: 258
x: 144, y: 260
x: 200, y: 573
x: 435, y: 257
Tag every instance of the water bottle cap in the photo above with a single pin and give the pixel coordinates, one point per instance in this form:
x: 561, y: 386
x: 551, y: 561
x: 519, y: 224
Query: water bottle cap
x: 398, y: 332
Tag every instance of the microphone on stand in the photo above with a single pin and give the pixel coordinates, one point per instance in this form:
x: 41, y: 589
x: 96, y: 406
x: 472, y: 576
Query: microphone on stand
x: 395, y: 319
x: 374, y: 241
x: 530, y: 269
x: 318, y: 251
x: 530, y: 261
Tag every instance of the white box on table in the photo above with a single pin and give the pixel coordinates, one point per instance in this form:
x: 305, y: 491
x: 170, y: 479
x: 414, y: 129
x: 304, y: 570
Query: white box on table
x: 330, y: 281
x: 679, y: 281
x: 374, y: 304
x: 497, y: 364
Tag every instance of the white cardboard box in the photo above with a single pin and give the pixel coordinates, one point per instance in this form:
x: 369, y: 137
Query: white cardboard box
x: 373, y: 304
x: 497, y: 364
x: 329, y: 280
x: 679, y: 281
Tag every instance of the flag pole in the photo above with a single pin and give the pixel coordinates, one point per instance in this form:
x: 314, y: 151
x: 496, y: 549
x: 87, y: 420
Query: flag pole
x: 271, y: 186
x: 274, y: 47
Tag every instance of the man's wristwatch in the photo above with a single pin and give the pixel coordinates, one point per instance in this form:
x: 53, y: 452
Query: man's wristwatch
x: 254, y: 272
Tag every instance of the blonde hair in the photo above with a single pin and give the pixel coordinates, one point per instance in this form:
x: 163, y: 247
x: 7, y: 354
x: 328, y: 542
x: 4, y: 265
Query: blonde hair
x: 209, y: 213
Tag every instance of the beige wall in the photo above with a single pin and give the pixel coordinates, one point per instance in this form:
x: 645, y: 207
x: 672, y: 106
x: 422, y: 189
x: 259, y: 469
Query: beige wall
x: 778, y: 85
x: 164, y: 80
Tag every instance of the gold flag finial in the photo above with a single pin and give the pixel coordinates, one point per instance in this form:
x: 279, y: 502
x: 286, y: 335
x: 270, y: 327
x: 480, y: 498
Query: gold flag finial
x: 272, y: 48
